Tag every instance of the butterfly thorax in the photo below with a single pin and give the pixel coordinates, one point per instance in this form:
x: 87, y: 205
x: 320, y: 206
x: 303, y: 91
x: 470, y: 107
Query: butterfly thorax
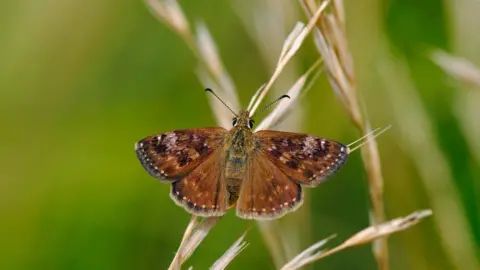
x: 238, y: 147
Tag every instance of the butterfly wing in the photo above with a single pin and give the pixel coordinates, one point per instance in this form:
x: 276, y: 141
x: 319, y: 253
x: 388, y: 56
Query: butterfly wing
x: 203, y: 192
x: 266, y: 192
x: 171, y: 156
x: 303, y: 158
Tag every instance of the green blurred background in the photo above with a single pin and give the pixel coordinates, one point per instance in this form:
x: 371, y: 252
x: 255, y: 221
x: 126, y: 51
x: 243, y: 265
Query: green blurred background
x: 81, y: 81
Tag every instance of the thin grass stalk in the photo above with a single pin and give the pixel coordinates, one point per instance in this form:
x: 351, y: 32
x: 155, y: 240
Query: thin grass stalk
x: 176, y: 262
x: 290, y: 47
x: 194, y: 234
x: 332, y: 44
x: 284, y: 106
x: 230, y: 254
x: 365, y: 236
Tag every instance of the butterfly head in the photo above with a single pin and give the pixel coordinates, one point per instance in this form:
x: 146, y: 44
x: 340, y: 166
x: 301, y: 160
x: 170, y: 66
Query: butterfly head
x: 243, y: 120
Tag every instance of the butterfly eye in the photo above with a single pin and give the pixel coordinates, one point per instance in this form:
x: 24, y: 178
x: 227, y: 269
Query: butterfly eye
x: 250, y: 123
x: 234, y: 123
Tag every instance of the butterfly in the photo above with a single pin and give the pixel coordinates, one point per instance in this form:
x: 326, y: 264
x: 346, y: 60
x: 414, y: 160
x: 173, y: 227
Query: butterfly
x: 212, y: 170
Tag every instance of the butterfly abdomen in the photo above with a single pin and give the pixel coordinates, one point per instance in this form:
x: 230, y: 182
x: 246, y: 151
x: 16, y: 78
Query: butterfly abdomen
x: 233, y: 189
x: 235, y: 165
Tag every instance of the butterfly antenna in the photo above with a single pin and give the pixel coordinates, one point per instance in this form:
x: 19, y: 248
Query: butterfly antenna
x: 270, y: 104
x: 363, y: 140
x: 213, y: 93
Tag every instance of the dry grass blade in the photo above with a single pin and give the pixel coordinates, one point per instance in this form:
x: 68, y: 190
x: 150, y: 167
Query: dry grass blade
x: 230, y: 254
x: 255, y: 97
x: 194, y: 234
x: 459, y: 68
x: 290, y: 47
x: 209, y: 53
x: 312, y: 251
x: 299, y: 89
x: 169, y: 12
x: 177, y: 261
x: 365, y: 236
x: 395, y: 225
x: 213, y: 73
x: 287, y: 45
x: 222, y: 115
x: 331, y: 42
x: 285, y: 105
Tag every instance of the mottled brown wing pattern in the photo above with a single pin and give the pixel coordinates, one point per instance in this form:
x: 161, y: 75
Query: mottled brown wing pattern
x: 303, y: 158
x: 266, y: 192
x: 172, y: 155
x: 203, y: 192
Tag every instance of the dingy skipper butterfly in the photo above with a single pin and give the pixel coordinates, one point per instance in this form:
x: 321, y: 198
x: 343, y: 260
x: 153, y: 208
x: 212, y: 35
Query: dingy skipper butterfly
x: 262, y: 173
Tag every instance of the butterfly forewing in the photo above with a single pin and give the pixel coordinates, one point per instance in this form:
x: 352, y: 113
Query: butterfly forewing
x: 203, y: 192
x: 172, y: 155
x: 303, y: 158
x: 266, y: 191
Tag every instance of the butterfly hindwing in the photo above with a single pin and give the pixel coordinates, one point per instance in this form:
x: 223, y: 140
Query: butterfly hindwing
x: 172, y: 155
x: 303, y: 158
x: 266, y: 192
x: 203, y: 192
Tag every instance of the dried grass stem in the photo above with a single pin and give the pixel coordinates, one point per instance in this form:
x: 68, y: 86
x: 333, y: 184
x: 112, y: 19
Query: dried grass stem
x: 331, y: 42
